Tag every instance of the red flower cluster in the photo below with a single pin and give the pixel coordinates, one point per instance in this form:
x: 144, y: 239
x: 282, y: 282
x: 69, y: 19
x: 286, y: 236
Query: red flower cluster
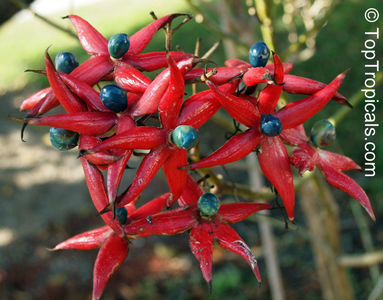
x: 109, y: 135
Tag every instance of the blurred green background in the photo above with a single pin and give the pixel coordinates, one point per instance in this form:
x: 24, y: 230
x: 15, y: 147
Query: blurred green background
x: 43, y: 195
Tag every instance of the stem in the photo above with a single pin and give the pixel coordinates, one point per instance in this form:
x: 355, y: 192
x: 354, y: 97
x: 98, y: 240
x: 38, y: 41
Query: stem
x: 312, y: 32
x: 316, y: 197
x: 22, y: 5
x: 264, y: 12
x: 267, y: 237
x: 366, y: 238
x: 354, y: 100
x: 228, y: 188
x: 361, y: 260
x: 377, y: 291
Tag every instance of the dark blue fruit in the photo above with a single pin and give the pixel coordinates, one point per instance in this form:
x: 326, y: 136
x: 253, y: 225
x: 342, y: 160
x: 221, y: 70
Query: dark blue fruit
x: 208, y: 204
x: 63, y: 139
x: 323, y: 133
x: 65, y: 62
x: 270, y: 125
x: 259, y: 54
x: 184, y: 137
x: 118, y: 45
x: 114, y: 98
x: 122, y: 215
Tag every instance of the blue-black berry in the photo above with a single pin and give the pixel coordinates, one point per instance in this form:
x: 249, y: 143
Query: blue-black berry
x: 114, y: 98
x: 122, y: 215
x: 323, y: 133
x: 65, y: 62
x: 184, y: 137
x: 118, y: 45
x: 270, y: 125
x: 208, y: 204
x: 259, y: 54
x: 63, y: 139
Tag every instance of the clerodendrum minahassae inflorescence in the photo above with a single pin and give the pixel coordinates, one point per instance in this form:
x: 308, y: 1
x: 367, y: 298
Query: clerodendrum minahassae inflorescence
x: 108, y: 125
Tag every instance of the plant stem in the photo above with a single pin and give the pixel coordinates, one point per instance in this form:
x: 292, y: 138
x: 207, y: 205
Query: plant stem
x: 377, y: 291
x: 22, y: 5
x: 267, y: 237
x: 312, y: 32
x: 354, y: 100
x: 315, y: 197
x: 361, y: 260
x: 365, y: 235
x: 264, y: 12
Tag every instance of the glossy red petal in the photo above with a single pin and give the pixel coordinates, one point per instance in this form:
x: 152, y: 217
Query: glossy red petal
x: 346, y: 184
x: 85, y: 92
x: 88, y: 123
x: 301, y: 85
x: 224, y: 74
x: 199, y: 108
x: 109, y: 258
x: 300, y: 111
x: 114, y: 175
x: 141, y: 137
x: 304, y: 158
x: 44, y: 105
x: 287, y: 67
x: 170, y: 103
x: 97, y: 191
x: 141, y: 38
x: 94, y: 69
x: 148, y: 104
x: 130, y: 79
x: 176, y: 178
x: 152, y: 207
x: 168, y: 222
x: 101, y: 159
x: 235, y: 212
x: 32, y: 100
x: 258, y: 75
x: 87, y: 240
x: 294, y: 136
x: 230, y: 240
x: 70, y: 103
x: 154, y: 60
x: 125, y: 123
x: 234, y: 149
x: 279, y: 74
x: 337, y: 161
x: 240, y: 109
x: 191, y: 192
x: 117, y: 169
x: 133, y: 98
x: 274, y: 162
x: 91, y: 40
x: 201, y: 244
x: 238, y: 63
x: 149, y: 167
x: 269, y: 96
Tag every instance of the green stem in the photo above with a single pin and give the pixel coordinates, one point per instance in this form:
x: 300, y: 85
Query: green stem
x: 264, y: 12
x: 312, y: 32
x: 366, y: 237
x: 354, y: 100
x: 22, y: 5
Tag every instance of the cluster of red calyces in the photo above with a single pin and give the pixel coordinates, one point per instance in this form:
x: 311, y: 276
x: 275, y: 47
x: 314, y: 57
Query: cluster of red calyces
x: 109, y: 126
